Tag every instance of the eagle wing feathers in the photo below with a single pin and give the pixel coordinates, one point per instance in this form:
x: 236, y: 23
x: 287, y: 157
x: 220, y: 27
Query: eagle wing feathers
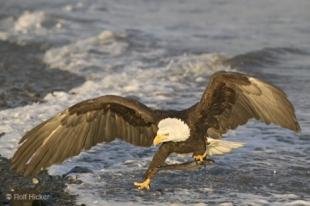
x: 231, y: 99
x: 82, y: 126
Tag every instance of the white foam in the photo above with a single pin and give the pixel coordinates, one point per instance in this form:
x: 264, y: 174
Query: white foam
x: 30, y: 21
x: 298, y: 203
x: 4, y: 36
x: 90, y: 52
x: 73, y: 7
x: 198, y: 65
x: 34, y: 26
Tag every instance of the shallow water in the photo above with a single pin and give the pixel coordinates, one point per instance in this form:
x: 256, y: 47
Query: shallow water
x: 54, y: 54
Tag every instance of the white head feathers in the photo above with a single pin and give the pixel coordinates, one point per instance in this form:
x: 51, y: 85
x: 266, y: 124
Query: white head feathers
x: 175, y: 129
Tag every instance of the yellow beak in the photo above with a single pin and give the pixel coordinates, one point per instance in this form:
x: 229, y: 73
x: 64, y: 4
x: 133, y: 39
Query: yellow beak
x: 159, y: 139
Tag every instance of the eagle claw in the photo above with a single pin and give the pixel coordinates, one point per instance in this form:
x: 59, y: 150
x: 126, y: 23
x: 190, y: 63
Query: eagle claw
x: 145, y: 185
x: 200, y: 158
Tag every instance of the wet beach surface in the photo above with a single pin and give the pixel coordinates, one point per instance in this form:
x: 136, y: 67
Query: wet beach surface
x: 55, y: 54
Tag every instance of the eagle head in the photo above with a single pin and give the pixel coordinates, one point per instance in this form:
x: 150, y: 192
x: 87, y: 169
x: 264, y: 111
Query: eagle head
x: 171, y: 129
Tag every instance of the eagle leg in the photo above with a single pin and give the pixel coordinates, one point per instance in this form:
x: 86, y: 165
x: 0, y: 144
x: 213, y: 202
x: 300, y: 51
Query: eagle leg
x: 158, y: 160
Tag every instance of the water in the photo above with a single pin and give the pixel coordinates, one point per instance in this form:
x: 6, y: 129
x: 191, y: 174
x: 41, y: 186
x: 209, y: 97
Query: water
x: 57, y: 53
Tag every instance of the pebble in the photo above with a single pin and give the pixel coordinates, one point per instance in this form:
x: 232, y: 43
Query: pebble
x: 35, y: 181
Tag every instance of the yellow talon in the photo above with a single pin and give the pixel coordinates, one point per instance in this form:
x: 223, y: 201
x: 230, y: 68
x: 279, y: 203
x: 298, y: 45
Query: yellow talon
x: 143, y: 185
x: 200, y: 158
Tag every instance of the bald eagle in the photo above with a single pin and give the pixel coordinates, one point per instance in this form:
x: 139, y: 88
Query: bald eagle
x: 230, y: 100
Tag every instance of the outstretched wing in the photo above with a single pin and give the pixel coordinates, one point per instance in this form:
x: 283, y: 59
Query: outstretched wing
x: 232, y: 98
x: 82, y: 126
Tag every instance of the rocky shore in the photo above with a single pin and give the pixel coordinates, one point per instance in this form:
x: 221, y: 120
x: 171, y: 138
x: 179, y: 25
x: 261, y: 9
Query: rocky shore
x: 42, y: 190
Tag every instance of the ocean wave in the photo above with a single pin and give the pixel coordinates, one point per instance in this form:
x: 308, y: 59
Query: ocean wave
x: 126, y: 52
x: 33, y: 26
x: 200, y: 65
x: 262, y: 57
x: 93, y: 52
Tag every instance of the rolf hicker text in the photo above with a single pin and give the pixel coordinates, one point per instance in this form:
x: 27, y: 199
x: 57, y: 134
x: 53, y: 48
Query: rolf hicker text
x: 27, y: 196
